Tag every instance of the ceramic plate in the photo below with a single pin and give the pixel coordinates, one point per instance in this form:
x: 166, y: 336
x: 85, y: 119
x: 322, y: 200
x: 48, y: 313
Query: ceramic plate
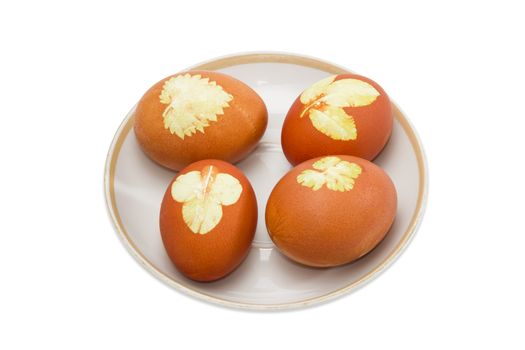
x: 135, y: 185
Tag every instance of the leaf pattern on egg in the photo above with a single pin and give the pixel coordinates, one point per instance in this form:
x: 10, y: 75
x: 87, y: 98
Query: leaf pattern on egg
x: 324, y: 102
x: 192, y: 103
x: 335, y: 173
x: 203, y: 193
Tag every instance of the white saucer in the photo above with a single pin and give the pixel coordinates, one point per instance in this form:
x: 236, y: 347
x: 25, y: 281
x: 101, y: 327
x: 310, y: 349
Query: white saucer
x: 135, y: 185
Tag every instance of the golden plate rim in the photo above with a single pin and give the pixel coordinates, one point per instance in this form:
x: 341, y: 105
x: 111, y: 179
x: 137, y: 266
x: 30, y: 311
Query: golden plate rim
x: 265, y: 57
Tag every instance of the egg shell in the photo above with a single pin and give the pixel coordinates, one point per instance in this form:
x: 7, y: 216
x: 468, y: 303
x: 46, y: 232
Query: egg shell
x: 210, y: 256
x: 302, y: 141
x: 325, y: 228
x: 231, y: 137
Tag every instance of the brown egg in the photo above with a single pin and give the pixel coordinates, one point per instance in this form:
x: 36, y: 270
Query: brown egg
x: 199, y: 115
x: 331, y: 211
x: 342, y: 114
x: 207, y: 219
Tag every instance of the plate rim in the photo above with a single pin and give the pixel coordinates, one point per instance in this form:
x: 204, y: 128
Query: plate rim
x: 266, y: 57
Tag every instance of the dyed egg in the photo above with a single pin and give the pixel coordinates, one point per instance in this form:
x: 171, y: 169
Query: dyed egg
x: 199, y: 115
x: 207, y: 219
x: 342, y: 114
x: 331, y: 211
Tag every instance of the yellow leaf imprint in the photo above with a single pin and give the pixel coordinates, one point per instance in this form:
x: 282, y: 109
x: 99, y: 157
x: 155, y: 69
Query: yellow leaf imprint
x: 192, y: 103
x: 337, y: 174
x: 203, y: 194
x: 324, y: 102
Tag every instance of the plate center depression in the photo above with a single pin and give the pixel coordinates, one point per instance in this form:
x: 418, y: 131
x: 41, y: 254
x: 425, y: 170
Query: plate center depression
x: 264, y: 168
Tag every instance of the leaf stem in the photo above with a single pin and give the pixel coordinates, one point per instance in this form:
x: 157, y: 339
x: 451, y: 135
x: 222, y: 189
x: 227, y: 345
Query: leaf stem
x: 308, y: 107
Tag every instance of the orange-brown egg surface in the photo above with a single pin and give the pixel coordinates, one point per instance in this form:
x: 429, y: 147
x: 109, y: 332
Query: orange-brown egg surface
x: 331, y: 210
x: 208, y: 218
x: 341, y: 114
x: 199, y: 115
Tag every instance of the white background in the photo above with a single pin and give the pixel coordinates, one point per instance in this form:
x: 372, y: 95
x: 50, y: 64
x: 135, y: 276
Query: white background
x: 69, y: 72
